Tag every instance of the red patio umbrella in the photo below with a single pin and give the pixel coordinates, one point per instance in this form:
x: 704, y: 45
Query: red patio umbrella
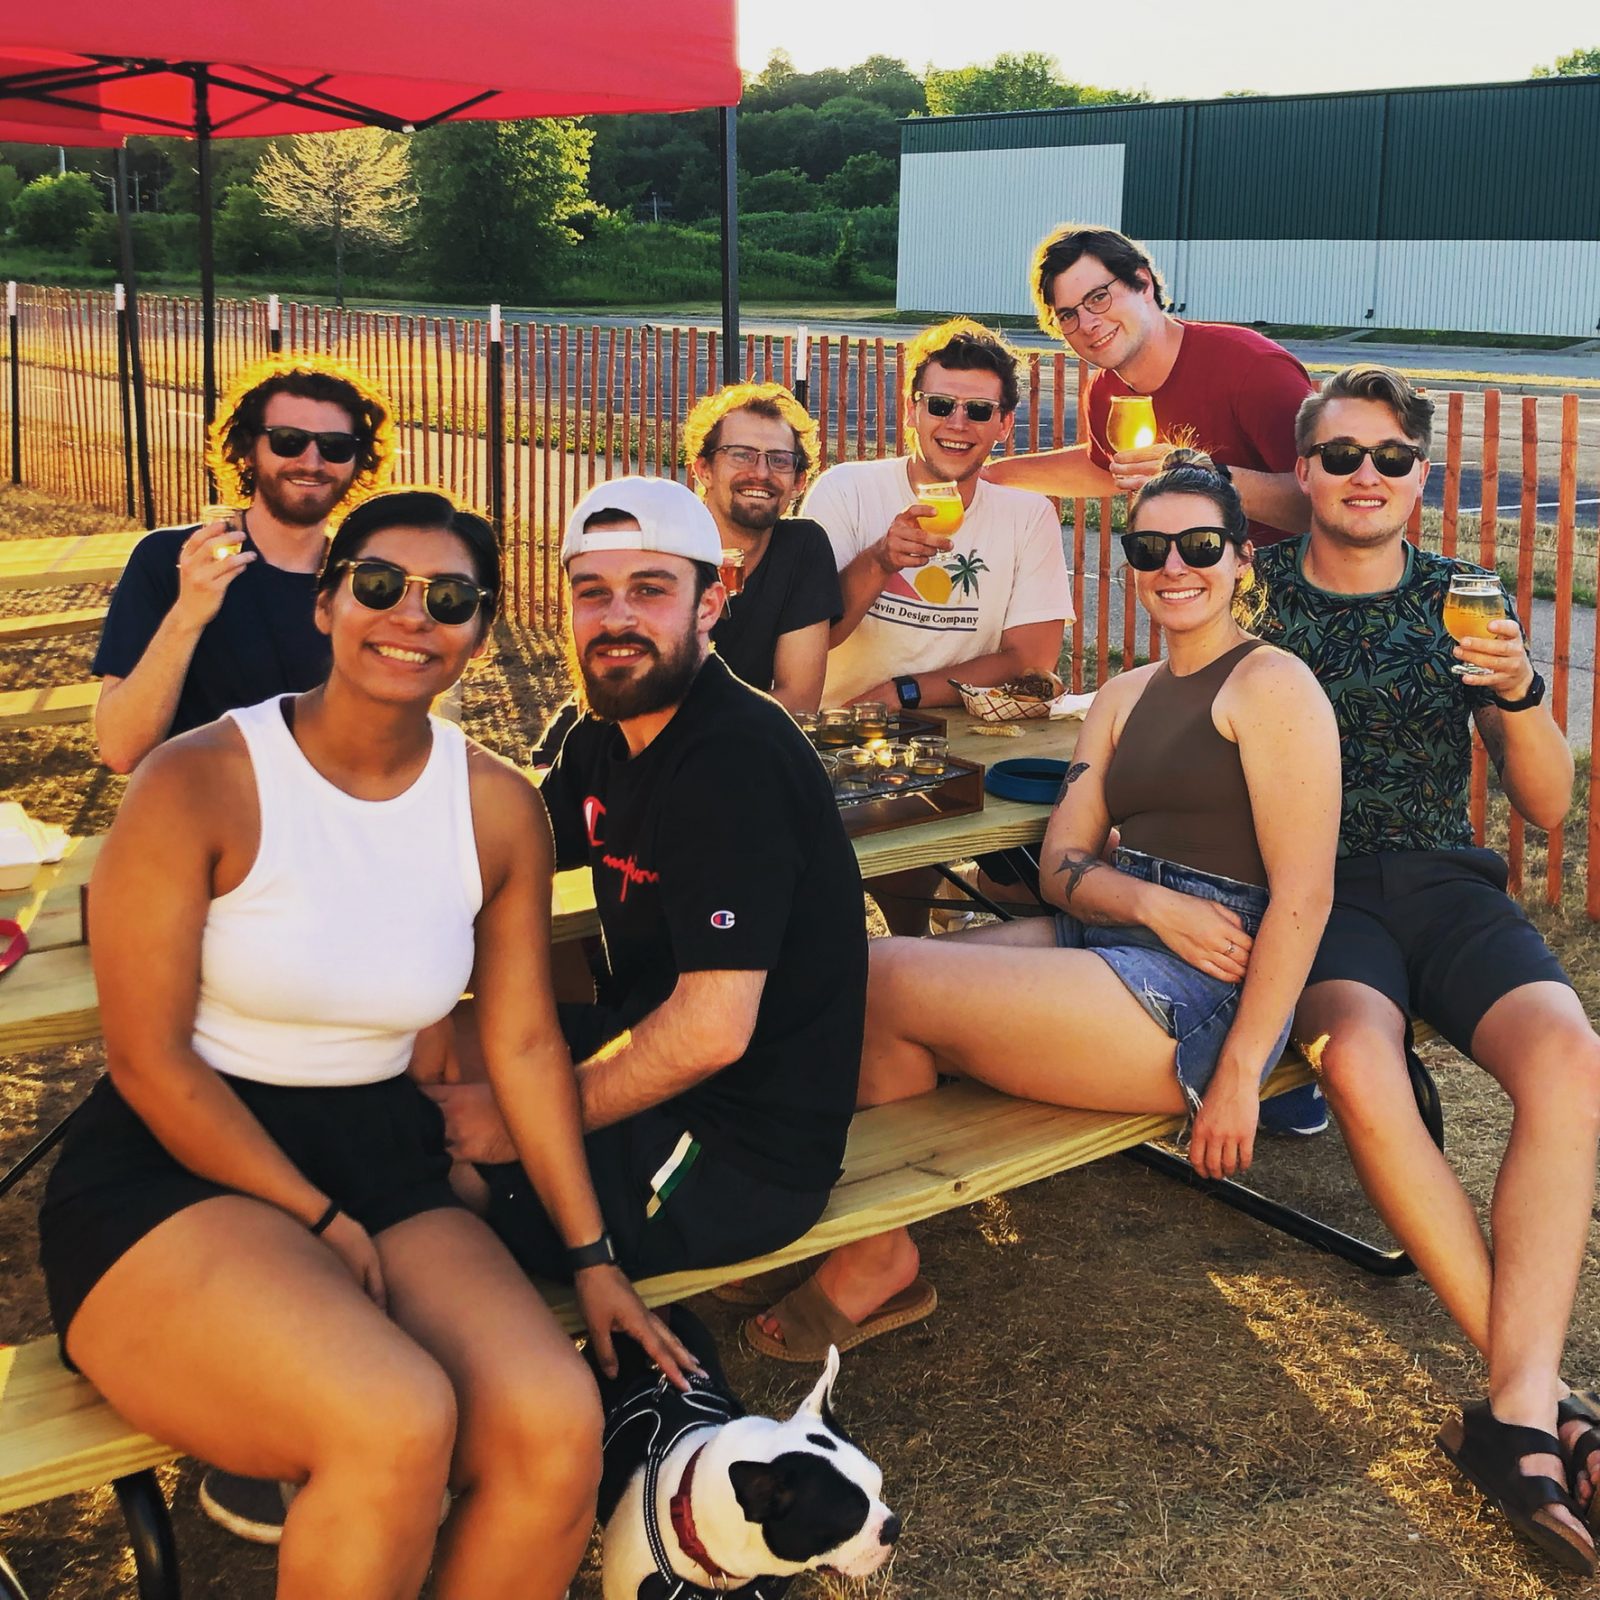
x: 92, y: 72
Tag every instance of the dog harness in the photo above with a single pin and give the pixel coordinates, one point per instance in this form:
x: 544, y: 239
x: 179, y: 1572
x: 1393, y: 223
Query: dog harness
x: 661, y: 1417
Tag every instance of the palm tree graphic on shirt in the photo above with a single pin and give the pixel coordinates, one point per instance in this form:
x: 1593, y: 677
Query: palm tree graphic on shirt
x: 964, y: 572
x: 939, y: 583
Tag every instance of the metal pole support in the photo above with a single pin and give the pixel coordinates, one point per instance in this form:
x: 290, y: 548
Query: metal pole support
x: 16, y: 382
x: 495, y: 421
x: 728, y: 141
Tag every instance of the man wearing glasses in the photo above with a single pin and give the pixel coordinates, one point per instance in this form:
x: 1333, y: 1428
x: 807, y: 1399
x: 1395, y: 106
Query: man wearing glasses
x: 1226, y: 390
x: 210, y: 617
x: 751, y: 447
x: 1421, y: 924
x: 987, y: 600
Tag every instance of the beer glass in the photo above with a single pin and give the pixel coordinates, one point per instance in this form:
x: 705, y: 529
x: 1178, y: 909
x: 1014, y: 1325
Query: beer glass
x: 1132, y: 423
x: 1474, y: 601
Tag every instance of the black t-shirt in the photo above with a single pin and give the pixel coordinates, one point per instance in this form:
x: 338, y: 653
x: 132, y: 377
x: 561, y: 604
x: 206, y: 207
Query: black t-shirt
x: 262, y: 642
x: 719, y: 848
x: 795, y: 585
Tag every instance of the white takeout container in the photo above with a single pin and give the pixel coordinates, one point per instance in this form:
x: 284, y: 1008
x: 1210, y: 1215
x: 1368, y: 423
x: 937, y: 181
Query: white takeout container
x: 25, y: 846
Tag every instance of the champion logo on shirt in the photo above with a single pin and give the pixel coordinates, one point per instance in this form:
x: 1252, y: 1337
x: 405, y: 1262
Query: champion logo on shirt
x: 593, y: 810
x: 631, y: 871
x: 722, y: 920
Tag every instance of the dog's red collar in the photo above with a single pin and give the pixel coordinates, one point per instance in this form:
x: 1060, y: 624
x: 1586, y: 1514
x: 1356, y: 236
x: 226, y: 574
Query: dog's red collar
x: 683, y: 1521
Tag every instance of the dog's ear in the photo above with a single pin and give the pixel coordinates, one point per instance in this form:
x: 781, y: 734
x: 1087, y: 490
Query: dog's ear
x: 816, y: 1404
x: 762, y: 1489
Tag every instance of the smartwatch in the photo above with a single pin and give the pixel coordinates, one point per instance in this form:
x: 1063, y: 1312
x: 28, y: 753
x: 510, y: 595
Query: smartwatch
x: 1534, y: 697
x: 599, y: 1254
x: 910, y: 692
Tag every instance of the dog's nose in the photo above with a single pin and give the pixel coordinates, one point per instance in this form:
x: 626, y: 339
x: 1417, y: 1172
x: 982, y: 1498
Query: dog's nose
x: 890, y: 1531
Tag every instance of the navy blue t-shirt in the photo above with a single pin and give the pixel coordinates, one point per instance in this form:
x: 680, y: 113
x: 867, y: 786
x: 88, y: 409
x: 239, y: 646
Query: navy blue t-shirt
x: 719, y: 847
x: 262, y: 642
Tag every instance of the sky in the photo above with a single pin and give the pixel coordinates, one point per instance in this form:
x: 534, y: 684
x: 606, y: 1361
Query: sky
x: 1187, y: 49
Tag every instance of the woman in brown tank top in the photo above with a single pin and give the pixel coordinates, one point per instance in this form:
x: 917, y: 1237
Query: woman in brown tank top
x: 1167, y: 979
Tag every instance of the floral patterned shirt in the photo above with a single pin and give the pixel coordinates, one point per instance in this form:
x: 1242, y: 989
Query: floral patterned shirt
x: 1405, y: 721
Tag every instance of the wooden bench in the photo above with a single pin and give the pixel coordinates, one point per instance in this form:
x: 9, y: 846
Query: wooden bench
x: 903, y: 1164
x: 51, y: 624
x: 62, y: 702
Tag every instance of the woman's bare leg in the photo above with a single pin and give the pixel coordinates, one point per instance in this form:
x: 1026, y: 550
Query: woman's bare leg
x: 527, y: 1461
x: 235, y: 1336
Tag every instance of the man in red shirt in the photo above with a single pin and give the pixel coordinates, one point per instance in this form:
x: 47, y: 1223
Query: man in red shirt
x: 1227, y: 390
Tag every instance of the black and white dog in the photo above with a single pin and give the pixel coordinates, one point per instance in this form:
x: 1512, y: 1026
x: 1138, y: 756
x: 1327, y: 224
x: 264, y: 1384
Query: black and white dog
x: 698, y: 1499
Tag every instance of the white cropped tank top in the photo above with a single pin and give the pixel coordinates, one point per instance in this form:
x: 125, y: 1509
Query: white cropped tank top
x: 353, y: 927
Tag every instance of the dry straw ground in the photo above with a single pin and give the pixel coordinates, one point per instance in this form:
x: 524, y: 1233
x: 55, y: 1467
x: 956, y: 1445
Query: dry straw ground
x: 1126, y: 1392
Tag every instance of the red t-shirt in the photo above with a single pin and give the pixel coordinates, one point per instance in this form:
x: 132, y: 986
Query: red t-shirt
x: 1232, y: 392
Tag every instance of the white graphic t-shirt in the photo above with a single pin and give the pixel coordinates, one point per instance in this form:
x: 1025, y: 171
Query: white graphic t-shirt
x: 1005, y: 568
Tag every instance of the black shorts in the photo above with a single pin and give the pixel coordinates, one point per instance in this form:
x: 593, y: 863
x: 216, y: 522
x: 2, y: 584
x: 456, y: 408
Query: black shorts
x: 710, y: 1211
x: 1435, y: 932
x: 377, y: 1150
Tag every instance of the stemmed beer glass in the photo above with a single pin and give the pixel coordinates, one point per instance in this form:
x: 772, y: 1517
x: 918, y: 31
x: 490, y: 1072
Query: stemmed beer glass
x: 1475, y: 599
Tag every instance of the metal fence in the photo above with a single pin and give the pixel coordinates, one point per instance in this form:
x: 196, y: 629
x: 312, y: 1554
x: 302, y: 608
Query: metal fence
x: 525, y: 419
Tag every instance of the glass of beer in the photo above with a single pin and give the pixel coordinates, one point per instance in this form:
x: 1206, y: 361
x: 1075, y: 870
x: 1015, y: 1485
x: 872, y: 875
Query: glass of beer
x: 230, y: 516
x: 1132, y: 423
x: 1474, y: 601
x: 731, y: 570
x: 872, y: 719
x: 948, y: 512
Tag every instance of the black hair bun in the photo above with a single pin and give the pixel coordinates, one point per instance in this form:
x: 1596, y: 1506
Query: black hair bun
x: 1196, y: 460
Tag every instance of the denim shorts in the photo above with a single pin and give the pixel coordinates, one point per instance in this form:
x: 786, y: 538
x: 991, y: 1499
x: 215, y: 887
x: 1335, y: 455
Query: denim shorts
x: 1194, y: 1009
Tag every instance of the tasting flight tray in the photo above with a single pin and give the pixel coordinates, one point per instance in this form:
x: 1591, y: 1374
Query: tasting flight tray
x: 901, y: 728
x: 956, y: 792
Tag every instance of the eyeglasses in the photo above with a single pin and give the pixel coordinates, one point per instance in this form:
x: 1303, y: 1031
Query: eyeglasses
x: 1097, y: 300
x: 334, y: 448
x: 944, y: 405
x: 1197, y: 547
x: 742, y: 455
x: 380, y: 586
x: 1392, y: 460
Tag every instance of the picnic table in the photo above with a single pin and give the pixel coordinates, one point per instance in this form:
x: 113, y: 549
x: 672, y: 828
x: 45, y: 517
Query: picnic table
x: 54, y: 563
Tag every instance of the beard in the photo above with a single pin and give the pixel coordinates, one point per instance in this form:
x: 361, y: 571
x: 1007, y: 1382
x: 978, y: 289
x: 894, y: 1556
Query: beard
x: 617, y: 696
x: 297, y: 507
x: 751, y: 517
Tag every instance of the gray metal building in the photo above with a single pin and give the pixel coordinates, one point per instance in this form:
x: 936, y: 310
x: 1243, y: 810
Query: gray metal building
x: 1471, y: 207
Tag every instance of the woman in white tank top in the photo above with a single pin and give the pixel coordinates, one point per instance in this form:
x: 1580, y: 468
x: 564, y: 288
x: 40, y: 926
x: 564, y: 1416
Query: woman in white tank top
x: 250, y: 1242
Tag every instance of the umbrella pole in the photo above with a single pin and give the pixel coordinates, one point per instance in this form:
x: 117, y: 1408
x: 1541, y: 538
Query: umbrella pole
x: 124, y: 395
x: 15, y: 364
x: 728, y: 142
x: 208, y: 275
x: 141, y: 420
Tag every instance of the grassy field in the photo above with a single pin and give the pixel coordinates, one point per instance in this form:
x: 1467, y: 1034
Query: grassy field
x: 1126, y: 1392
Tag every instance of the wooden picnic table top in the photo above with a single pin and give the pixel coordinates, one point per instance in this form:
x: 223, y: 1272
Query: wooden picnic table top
x: 49, y: 998
x: 80, y: 558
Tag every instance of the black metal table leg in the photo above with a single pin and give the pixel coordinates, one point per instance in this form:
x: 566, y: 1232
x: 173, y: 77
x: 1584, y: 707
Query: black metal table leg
x: 26, y: 1164
x: 10, y: 1584
x: 155, y: 1551
x: 1297, y: 1224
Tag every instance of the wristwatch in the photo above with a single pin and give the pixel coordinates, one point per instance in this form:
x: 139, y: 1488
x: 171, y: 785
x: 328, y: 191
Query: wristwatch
x: 1534, y: 697
x: 599, y: 1254
x: 910, y: 692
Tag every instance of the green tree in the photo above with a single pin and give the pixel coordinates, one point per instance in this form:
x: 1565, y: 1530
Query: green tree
x: 1028, y: 82
x: 497, y: 202
x: 1574, y: 64
x: 844, y: 267
x: 50, y: 213
x: 10, y: 188
x: 249, y: 237
x: 351, y: 187
x: 866, y: 179
x: 783, y: 190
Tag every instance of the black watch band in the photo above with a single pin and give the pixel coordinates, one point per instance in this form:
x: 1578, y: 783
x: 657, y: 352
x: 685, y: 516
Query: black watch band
x: 599, y: 1254
x: 1534, y: 697
x: 909, y: 691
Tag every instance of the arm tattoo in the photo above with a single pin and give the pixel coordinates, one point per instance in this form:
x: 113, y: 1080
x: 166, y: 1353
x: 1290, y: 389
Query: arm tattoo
x: 1077, y: 865
x: 1492, y: 732
x: 1074, y: 772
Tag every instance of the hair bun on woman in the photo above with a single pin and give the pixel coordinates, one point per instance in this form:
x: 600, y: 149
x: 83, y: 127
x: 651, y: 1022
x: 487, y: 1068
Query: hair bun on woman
x: 1197, y: 460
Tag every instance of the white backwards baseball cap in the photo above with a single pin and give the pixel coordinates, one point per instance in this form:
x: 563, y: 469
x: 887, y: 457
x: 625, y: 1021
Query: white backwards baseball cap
x: 673, y: 521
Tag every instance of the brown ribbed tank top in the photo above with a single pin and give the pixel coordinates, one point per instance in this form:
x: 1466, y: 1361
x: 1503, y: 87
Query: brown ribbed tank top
x: 1175, y: 786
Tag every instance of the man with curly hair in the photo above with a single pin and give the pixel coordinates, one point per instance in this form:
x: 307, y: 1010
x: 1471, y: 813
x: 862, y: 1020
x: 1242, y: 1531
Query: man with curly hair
x: 214, y: 616
x: 750, y: 448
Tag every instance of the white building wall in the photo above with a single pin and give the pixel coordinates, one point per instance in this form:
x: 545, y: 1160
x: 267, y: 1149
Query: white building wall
x: 1490, y: 285
x: 970, y: 220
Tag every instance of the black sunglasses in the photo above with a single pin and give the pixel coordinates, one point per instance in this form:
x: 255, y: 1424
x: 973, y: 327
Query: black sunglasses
x: 1198, y: 547
x: 380, y: 586
x: 334, y: 448
x: 1392, y: 460
x: 944, y: 405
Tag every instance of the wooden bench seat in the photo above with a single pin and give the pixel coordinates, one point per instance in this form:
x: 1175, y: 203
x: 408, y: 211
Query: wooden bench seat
x: 51, y: 624
x: 904, y: 1163
x: 61, y: 702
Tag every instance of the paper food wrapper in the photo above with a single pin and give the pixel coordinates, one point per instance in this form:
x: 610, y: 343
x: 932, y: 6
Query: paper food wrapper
x: 997, y: 705
x: 25, y: 846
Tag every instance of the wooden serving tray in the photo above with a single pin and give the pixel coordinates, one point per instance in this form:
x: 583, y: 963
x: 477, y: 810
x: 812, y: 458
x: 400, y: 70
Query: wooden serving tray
x: 957, y: 794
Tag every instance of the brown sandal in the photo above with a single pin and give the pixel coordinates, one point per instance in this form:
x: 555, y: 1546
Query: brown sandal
x: 1489, y: 1452
x: 760, y: 1289
x: 812, y: 1322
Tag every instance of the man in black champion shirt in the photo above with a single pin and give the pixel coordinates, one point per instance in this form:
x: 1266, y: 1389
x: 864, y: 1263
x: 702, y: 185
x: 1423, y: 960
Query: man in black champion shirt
x: 718, y: 1070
